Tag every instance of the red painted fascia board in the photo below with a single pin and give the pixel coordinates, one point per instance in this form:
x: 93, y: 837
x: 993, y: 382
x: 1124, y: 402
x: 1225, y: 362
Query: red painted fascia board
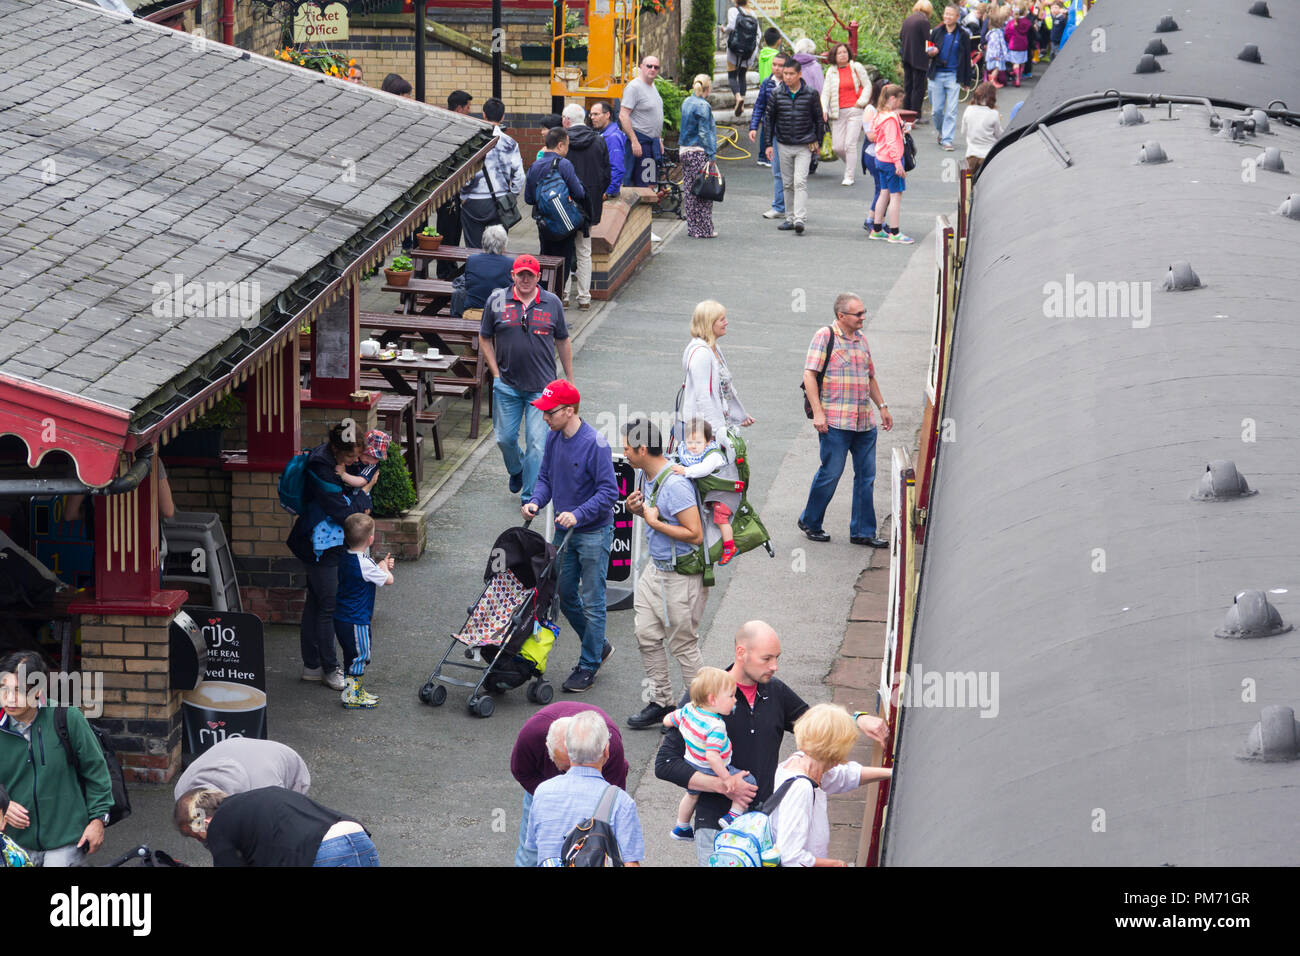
x: 93, y: 435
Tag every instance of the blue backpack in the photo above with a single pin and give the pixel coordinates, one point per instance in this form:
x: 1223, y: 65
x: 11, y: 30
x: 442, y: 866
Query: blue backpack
x: 293, y: 482
x: 555, y: 211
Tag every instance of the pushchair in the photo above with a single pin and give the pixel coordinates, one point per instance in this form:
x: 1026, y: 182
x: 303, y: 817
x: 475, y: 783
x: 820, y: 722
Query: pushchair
x: 508, y: 633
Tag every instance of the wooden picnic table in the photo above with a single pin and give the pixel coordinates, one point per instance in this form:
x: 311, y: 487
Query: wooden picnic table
x: 395, y: 371
x: 435, y: 291
x: 447, y: 334
x: 459, y: 254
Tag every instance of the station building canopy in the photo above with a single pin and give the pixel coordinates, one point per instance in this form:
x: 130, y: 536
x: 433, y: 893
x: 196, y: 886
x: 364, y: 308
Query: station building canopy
x: 172, y: 210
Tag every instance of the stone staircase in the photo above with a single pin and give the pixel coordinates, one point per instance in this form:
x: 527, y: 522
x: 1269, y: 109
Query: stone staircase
x: 723, y: 100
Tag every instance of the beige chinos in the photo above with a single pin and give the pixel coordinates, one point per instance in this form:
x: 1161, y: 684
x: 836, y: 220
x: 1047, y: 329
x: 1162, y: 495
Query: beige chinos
x: 669, y: 607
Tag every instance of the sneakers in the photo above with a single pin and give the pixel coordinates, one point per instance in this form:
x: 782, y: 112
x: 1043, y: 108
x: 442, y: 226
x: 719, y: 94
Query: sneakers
x: 900, y: 239
x: 334, y: 679
x: 312, y: 674
x: 878, y: 234
x: 683, y: 832
x: 584, y: 305
x: 580, y: 680
x: 516, y: 483
x: 651, y: 715
x: 727, y: 819
x: 798, y: 227
x: 764, y: 162
x: 606, y: 651
x: 948, y: 147
x: 354, y: 698
x: 728, y: 552
x: 786, y: 226
x: 774, y: 214
x: 846, y: 181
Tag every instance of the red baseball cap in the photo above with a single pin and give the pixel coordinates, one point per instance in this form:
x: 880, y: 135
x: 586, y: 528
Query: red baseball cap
x: 559, y: 392
x: 527, y: 264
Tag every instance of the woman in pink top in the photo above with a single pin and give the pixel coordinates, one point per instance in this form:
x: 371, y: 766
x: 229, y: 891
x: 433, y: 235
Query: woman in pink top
x: 887, y: 132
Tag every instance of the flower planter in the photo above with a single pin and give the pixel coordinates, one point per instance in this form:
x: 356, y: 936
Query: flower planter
x: 535, y: 52
x: 428, y: 242
x: 196, y: 443
x: 398, y: 278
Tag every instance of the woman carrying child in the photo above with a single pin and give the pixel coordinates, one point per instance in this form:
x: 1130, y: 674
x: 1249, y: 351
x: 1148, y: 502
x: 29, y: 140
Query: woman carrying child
x: 710, y: 393
x: 361, y: 475
x: 888, y: 129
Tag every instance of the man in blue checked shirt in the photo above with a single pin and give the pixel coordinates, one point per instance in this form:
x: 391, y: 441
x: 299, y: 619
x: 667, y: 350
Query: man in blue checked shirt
x: 561, y: 803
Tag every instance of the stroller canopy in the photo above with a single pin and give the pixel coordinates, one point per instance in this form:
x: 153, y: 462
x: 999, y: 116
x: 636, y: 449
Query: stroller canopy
x: 529, y: 557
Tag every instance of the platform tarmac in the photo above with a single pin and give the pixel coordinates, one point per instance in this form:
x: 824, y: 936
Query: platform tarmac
x: 433, y: 784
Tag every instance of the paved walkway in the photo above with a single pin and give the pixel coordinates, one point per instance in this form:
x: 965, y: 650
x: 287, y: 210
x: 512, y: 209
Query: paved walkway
x: 433, y: 784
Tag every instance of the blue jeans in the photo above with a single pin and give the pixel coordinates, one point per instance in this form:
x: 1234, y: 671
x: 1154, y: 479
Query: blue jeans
x: 943, y: 102
x: 510, y: 408
x: 778, y: 187
x: 351, y: 849
x: 525, y: 857
x: 836, y: 445
x: 640, y: 170
x: 586, y: 558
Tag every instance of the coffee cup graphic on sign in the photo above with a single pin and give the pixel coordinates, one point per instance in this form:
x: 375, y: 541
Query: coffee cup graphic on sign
x: 217, y: 710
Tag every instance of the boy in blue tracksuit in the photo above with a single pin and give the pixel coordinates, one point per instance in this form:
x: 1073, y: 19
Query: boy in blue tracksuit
x: 359, y: 575
x: 578, y: 475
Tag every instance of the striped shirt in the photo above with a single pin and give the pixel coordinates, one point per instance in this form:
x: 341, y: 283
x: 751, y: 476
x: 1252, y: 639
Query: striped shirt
x: 846, y: 388
x: 703, y: 731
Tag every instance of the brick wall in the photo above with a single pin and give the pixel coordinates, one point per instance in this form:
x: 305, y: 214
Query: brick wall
x: 404, y: 537
x: 141, y: 711
x: 255, y: 28
x: 201, y: 489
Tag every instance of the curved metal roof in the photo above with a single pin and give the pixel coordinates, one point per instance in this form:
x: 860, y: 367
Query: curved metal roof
x: 1063, y: 550
x: 1202, y: 58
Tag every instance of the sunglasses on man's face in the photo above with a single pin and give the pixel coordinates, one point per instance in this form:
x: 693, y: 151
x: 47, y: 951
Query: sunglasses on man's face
x: 652, y: 66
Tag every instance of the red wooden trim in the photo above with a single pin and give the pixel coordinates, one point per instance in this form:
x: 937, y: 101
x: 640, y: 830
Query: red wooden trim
x: 164, y: 604
x: 348, y: 403
x: 48, y: 419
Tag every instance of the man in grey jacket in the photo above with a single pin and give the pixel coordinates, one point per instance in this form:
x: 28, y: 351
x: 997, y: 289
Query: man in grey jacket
x: 506, y: 169
x: 240, y: 764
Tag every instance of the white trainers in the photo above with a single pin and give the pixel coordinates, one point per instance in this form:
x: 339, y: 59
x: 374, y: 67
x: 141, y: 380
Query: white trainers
x: 311, y: 674
x: 846, y: 181
x: 334, y: 679
x: 773, y: 214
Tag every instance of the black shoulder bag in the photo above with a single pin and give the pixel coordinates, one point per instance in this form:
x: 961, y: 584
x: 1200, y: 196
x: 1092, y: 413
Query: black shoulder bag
x: 508, y: 207
x: 821, y: 375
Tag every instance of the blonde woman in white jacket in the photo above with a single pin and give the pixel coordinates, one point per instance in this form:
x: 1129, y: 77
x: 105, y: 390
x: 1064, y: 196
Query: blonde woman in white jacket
x: 846, y: 91
x: 710, y: 393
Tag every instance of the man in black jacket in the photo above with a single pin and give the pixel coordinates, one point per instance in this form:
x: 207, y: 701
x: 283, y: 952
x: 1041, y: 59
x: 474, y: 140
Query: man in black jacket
x: 590, y: 157
x: 795, y: 122
x: 912, y: 37
x: 766, y: 710
x: 949, y: 51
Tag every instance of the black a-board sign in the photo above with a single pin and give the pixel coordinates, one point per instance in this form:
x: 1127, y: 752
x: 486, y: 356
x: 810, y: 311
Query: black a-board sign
x: 230, y: 700
x: 620, y: 551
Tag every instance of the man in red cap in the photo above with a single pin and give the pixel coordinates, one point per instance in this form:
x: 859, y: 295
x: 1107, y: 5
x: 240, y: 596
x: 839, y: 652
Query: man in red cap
x: 577, y: 474
x: 521, y: 332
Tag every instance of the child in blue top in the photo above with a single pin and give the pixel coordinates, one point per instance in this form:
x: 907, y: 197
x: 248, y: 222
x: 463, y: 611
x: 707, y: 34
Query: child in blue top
x: 359, y: 575
x: 698, y: 456
x: 708, y: 748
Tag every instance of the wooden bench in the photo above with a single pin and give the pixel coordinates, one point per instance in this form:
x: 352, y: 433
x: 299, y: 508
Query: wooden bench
x: 397, y: 417
x: 459, y: 254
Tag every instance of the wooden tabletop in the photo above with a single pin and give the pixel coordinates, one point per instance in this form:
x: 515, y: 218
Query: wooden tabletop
x: 422, y: 363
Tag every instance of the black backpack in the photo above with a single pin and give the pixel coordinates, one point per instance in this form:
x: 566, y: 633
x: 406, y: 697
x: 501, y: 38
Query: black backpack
x: 121, y: 808
x: 592, y: 842
x: 744, y: 37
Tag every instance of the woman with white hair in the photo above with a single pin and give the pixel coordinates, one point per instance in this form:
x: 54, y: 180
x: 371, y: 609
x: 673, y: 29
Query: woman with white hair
x: 805, y: 54
x: 484, y: 273
x: 698, y: 144
x: 825, y: 734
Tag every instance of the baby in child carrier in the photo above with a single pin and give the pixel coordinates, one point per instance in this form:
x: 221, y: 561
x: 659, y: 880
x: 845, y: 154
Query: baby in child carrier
x: 359, y: 478
x: 700, y: 455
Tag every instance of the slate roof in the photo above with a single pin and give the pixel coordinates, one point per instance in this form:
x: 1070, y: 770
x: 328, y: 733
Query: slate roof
x: 1063, y: 551
x: 129, y: 154
x: 1202, y: 58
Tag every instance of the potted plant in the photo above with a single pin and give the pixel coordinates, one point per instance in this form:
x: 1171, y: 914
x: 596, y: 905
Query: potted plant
x: 429, y: 238
x: 575, y: 47
x: 394, y: 493
x: 202, y: 439
x: 400, y: 272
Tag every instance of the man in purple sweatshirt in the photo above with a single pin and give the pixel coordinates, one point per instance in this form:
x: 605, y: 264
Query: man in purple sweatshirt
x: 577, y: 474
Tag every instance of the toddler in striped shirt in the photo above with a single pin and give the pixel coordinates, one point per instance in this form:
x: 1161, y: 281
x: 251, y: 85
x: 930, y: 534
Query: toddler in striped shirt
x: 708, y: 748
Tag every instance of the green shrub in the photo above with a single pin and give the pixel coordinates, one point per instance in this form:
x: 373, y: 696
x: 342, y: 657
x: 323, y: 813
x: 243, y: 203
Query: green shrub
x: 393, y: 492
x: 878, y: 23
x: 698, y: 41
x: 227, y: 412
x: 672, y: 95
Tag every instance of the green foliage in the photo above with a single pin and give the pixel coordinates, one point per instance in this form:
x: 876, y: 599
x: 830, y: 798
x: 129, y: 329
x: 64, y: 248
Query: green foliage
x: 697, y: 44
x: 226, y: 413
x: 393, y: 492
x: 573, y: 24
x: 878, y: 23
x: 672, y: 95
x: 402, y: 264
x: 431, y: 231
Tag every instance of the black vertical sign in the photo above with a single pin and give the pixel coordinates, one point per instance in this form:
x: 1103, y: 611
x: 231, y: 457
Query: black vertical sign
x: 620, y: 552
x: 230, y: 700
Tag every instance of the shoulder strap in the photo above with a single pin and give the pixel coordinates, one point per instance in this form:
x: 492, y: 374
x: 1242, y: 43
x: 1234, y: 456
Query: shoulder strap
x: 830, y: 347
x: 606, y: 806
x: 61, y: 728
x: 688, y: 365
x: 772, y: 802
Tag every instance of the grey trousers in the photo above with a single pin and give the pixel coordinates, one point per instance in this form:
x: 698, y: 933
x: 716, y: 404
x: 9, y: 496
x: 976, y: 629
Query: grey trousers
x: 795, y: 161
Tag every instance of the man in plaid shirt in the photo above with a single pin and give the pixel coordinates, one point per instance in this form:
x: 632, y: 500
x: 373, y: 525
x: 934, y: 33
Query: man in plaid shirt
x: 841, y: 403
